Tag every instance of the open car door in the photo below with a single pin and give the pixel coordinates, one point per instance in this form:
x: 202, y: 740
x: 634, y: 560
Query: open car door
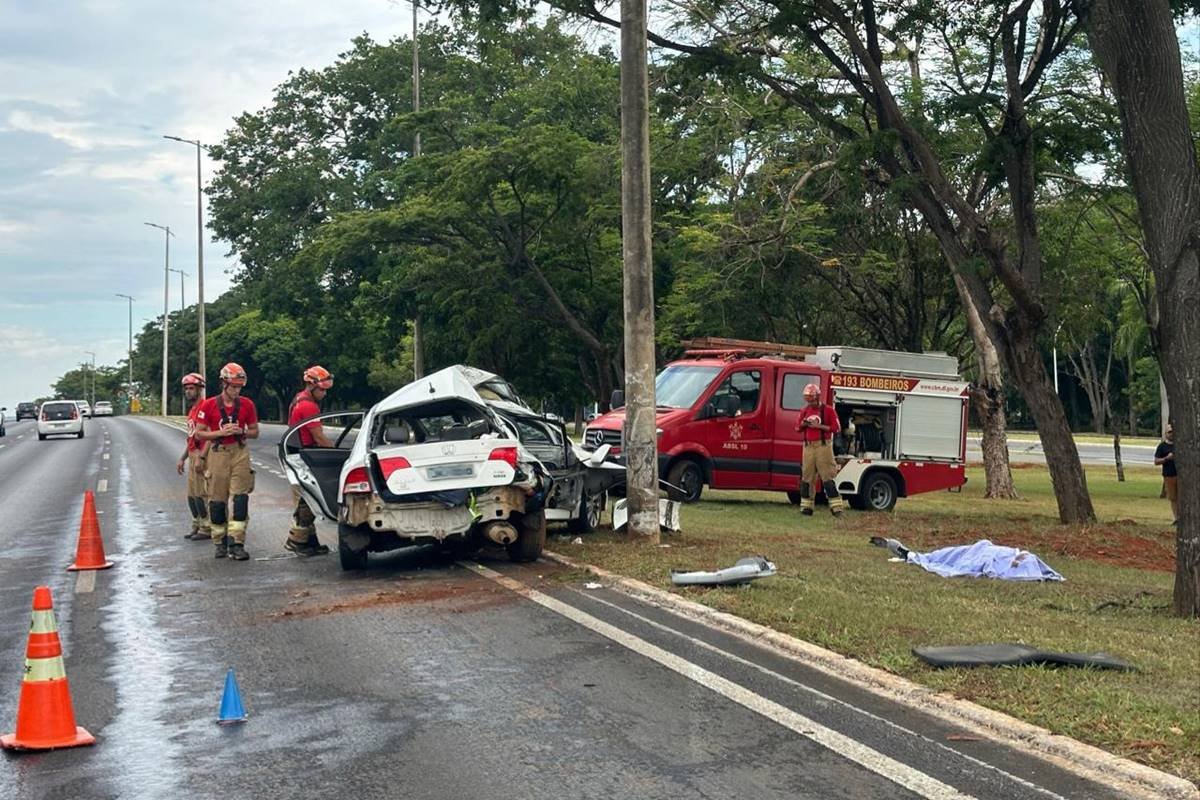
x: 317, y: 471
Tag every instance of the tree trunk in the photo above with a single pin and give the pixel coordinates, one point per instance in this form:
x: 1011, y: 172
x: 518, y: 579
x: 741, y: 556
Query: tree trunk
x: 989, y: 406
x: 1117, y: 454
x: 1062, y: 457
x: 1133, y: 415
x: 1136, y: 45
x: 988, y: 398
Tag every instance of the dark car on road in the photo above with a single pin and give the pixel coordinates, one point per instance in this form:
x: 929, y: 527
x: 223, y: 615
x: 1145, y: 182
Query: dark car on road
x: 29, y: 410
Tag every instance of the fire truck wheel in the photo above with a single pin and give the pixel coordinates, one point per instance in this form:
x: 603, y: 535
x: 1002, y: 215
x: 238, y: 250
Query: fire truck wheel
x: 688, y: 479
x: 794, y: 498
x: 855, y: 501
x: 878, y: 492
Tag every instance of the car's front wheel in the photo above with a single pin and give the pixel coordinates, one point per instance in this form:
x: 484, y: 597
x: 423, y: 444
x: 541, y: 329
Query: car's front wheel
x: 352, y: 551
x: 687, y: 481
x: 591, y: 510
x: 531, y: 537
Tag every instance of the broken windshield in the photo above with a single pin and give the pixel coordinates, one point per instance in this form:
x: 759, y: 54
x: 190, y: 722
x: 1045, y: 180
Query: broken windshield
x: 679, y: 386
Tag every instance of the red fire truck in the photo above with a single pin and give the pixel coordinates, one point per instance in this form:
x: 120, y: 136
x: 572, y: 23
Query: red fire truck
x: 727, y: 416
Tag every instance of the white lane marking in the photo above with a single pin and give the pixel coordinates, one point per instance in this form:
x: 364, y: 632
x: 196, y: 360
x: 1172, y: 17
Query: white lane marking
x: 902, y: 774
x: 106, y: 456
x: 86, y: 582
x: 2, y: 446
x: 826, y: 697
x: 102, y: 485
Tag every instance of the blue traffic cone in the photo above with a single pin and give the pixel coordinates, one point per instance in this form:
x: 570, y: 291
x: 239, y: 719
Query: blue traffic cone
x: 231, y: 702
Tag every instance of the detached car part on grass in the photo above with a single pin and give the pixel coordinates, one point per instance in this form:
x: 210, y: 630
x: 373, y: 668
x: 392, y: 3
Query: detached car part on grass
x: 742, y: 572
x: 455, y: 459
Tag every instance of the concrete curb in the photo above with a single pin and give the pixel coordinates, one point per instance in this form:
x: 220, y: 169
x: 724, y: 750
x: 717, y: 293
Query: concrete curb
x: 1089, y: 762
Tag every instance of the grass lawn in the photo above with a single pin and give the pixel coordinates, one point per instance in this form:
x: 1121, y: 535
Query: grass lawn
x: 837, y: 591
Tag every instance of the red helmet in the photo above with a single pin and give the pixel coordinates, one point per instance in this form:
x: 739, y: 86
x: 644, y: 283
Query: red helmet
x: 318, y: 377
x: 233, y: 374
x: 193, y: 379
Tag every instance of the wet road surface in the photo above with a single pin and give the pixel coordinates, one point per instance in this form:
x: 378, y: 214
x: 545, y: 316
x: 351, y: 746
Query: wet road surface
x: 422, y: 677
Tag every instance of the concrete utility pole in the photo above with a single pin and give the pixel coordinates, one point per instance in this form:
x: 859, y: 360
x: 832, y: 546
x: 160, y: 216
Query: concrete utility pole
x: 199, y: 252
x: 166, y: 326
x: 418, y: 339
x: 129, y: 392
x: 182, y: 306
x: 641, y: 444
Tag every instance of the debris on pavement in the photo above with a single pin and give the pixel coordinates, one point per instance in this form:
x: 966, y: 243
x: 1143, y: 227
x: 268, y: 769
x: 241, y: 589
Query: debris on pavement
x: 980, y: 560
x: 744, y: 571
x: 593, y: 585
x: 1014, y: 655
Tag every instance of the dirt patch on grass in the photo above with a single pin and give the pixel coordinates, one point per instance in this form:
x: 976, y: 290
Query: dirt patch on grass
x: 1122, y: 543
x: 453, y: 597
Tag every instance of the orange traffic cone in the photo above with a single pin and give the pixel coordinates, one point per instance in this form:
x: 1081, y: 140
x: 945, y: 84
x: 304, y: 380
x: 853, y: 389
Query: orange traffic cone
x: 90, y: 552
x: 45, y: 719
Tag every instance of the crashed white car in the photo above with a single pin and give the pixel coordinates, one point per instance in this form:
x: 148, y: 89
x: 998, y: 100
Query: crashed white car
x: 456, y: 459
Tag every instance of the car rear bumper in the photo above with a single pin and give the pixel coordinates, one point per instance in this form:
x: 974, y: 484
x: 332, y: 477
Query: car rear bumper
x: 70, y: 426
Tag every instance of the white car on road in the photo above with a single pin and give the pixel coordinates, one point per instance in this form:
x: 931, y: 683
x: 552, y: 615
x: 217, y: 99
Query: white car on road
x: 456, y: 459
x: 60, y: 417
x: 103, y: 409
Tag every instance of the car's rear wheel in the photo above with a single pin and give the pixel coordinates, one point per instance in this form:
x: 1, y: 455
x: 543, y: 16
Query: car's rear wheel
x: 878, y: 492
x: 351, y: 551
x: 531, y: 537
x: 81, y: 434
x: 41, y: 437
x: 590, y: 513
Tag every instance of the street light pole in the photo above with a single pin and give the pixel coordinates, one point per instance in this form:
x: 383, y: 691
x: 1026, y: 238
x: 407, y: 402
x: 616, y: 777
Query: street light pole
x: 418, y: 333
x: 166, y: 327
x: 182, y: 306
x: 92, y: 402
x: 129, y: 393
x: 199, y: 251
x: 1055, y: 356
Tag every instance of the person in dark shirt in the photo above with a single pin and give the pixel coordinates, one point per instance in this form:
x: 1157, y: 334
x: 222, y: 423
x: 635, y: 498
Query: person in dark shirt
x: 1165, y: 455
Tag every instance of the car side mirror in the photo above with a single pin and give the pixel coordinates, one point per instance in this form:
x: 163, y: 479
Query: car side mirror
x: 618, y: 399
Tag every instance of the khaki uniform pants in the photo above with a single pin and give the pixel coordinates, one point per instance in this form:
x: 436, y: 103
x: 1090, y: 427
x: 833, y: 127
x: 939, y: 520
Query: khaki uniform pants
x: 303, y: 519
x: 819, y: 466
x: 196, y: 489
x: 229, y: 477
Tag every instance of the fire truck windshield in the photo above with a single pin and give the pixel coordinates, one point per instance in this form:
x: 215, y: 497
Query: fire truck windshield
x: 679, y: 386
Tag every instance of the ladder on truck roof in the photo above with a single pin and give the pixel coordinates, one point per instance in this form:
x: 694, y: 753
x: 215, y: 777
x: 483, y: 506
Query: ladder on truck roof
x: 716, y: 346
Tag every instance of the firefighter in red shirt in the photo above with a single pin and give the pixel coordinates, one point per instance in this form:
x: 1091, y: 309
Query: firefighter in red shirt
x: 818, y: 423
x: 226, y: 422
x: 192, y: 461
x: 302, y: 537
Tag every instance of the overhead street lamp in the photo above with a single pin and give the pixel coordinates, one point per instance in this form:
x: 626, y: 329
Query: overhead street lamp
x: 92, y: 402
x: 129, y: 397
x: 199, y: 248
x: 166, y: 312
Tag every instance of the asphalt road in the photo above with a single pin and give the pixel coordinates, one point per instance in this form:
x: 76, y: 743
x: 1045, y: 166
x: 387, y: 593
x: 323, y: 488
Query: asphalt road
x: 1030, y: 450
x: 421, y: 678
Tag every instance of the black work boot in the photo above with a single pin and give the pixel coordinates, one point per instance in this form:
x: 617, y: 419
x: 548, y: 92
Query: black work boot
x: 222, y: 548
x: 301, y: 549
x: 237, y: 551
x: 806, y: 512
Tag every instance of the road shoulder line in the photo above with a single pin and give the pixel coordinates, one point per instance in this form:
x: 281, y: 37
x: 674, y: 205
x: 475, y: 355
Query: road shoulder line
x: 1084, y: 760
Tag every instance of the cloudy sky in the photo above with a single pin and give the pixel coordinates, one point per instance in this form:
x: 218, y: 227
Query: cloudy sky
x: 87, y: 89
